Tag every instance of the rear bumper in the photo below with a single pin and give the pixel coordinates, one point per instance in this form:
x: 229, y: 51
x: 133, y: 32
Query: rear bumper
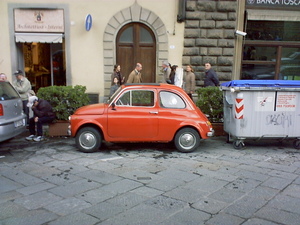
x: 9, y: 130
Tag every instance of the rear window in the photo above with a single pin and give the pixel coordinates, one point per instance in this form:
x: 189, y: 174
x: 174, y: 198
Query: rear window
x: 7, y: 92
x: 171, y: 100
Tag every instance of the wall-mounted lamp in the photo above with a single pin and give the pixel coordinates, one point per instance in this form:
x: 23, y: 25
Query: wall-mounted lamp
x: 241, y: 33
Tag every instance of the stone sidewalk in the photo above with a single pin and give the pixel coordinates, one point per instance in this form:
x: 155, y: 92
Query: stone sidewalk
x: 53, y: 183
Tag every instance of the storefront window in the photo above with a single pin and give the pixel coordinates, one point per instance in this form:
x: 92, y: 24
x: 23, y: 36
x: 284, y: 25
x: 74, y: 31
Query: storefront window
x: 273, y: 30
x: 271, y: 50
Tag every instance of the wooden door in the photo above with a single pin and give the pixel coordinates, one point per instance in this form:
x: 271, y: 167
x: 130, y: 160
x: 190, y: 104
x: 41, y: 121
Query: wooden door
x: 136, y: 43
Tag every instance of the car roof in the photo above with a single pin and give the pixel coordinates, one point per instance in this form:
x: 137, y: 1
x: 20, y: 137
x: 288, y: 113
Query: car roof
x: 148, y: 85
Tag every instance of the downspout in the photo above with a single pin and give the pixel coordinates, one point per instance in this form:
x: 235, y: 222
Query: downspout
x: 238, y: 43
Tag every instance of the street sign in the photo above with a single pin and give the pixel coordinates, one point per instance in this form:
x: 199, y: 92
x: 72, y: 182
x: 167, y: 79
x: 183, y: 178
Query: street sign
x: 88, y: 22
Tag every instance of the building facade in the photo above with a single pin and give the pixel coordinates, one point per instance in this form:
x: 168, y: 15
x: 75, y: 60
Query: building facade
x: 72, y: 42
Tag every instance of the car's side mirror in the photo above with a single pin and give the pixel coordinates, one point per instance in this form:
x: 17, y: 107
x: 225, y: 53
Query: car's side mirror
x: 113, y: 105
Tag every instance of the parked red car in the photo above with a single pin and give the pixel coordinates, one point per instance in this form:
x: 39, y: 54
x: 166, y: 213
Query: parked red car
x: 141, y: 113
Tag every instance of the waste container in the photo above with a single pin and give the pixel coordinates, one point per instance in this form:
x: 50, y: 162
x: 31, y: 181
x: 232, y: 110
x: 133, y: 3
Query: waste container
x: 260, y: 109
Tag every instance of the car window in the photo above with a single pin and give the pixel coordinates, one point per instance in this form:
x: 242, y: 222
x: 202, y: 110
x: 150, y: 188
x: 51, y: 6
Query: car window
x: 124, y: 99
x: 171, y: 100
x: 114, y: 95
x: 7, y: 92
x: 137, y: 98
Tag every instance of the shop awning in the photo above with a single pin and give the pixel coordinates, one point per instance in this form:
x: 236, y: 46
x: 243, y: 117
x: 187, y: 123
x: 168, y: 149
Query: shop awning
x: 39, y: 37
x: 273, y: 15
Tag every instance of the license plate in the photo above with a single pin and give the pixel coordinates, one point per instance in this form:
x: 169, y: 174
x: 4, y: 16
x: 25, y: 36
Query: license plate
x: 20, y: 123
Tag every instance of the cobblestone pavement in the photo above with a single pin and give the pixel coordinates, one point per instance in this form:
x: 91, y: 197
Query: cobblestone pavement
x: 53, y: 183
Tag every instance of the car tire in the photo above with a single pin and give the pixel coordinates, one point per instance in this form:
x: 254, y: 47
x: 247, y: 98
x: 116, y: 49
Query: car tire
x: 88, y: 139
x: 187, y: 140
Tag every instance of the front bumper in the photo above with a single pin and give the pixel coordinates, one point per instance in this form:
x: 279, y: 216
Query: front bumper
x: 211, y: 133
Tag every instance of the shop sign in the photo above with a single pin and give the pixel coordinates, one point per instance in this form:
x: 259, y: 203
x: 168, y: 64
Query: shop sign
x: 274, y: 3
x: 39, y: 20
x: 88, y: 22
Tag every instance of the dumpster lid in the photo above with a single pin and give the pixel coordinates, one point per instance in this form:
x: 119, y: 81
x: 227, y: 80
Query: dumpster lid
x: 263, y: 83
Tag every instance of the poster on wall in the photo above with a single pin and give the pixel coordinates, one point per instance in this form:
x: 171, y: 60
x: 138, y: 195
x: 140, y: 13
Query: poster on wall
x: 39, y: 20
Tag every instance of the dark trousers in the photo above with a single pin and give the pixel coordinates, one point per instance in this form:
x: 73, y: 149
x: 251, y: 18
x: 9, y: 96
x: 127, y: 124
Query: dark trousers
x: 39, y: 125
x: 26, y: 110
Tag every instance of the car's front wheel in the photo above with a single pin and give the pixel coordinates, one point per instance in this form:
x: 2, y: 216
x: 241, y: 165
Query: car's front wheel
x: 187, y: 140
x: 88, y: 139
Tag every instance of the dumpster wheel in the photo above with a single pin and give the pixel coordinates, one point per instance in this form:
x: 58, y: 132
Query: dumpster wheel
x: 296, y: 144
x: 238, y: 144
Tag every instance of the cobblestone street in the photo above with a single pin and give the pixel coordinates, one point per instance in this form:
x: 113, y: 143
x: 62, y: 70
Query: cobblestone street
x: 53, y: 183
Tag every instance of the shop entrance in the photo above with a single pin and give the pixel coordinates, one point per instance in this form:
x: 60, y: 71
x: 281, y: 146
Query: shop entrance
x: 44, y: 64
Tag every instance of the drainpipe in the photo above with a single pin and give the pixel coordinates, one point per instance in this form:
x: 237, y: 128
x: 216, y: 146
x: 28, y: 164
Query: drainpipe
x: 239, y: 39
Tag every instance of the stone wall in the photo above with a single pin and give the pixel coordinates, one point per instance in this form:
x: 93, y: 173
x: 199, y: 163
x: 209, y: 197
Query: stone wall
x: 209, y: 37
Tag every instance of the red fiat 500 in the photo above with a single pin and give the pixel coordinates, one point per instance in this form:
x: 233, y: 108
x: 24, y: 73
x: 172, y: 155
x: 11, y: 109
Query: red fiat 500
x: 141, y: 113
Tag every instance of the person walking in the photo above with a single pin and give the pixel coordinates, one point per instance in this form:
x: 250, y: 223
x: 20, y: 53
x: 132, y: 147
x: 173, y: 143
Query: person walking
x: 114, y: 87
x: 117, y: 74
x: 23, y: 86
x: 210, y: 78
x: 172, y: 74
x: 190, y: 81
x: 166, y: 69
x: 135, y: 76
x: 43, y: 113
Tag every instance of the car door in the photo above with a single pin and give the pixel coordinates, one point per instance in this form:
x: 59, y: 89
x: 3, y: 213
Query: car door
x: 173, y: 113
x: 134, y: 116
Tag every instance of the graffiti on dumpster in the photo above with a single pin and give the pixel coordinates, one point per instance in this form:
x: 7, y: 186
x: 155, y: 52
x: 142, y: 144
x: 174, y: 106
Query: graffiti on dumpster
x: 282, y: 119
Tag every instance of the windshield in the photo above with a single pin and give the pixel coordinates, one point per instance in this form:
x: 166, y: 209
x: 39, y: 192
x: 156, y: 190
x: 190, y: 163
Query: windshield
x: 114, y: 95
x: 7, y: 92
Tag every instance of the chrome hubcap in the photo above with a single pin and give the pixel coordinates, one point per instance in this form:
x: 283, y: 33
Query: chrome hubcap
x: 87, y: 140
x: 187, y: 140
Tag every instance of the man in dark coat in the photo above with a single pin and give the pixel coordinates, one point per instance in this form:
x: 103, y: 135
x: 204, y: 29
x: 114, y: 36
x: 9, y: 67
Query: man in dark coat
x: 211, y: 78
x: 43, y: 113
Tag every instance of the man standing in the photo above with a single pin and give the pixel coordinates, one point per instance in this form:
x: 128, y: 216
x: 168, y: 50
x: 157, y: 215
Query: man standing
x: 166, y: 71
x: 189, y: 80
x: 43, y: 113
x: 211, y: 78
x: 135, y: 76
x: 3, y: 76
x: 23, y: 86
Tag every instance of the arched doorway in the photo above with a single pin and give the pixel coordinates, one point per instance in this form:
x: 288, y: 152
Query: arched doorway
x: 135, y: 42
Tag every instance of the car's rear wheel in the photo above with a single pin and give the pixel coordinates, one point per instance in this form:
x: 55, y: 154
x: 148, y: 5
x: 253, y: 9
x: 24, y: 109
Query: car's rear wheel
x: 187, y: 140
x: 88, y: 139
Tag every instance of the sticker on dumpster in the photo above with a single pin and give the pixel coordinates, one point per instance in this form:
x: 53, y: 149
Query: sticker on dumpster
x: 286, y: 101
x: 264, y: 101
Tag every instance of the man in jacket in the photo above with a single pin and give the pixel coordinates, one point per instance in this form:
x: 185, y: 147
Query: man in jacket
x: 211, y: 78
x: 23, y: 86
x: 43, y: 113
x: 166, y: 68
x: 135, y: 76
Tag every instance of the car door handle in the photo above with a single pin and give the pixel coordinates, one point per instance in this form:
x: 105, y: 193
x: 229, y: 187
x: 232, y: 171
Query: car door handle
x: 153, y: 112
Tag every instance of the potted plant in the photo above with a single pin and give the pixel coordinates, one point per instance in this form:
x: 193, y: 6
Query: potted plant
x: 210, y: 101
x: 64, y: 100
